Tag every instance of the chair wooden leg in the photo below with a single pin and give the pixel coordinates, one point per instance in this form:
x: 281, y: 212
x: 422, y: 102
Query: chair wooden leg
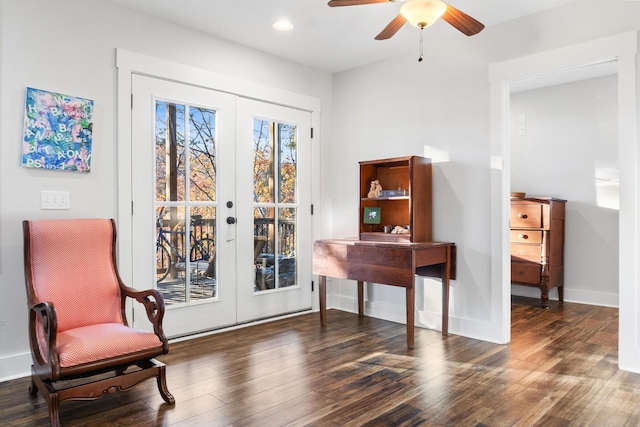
x: 33, y: 388
x: 50, y: 396
x: 54, y: 404
x: 162, y: 387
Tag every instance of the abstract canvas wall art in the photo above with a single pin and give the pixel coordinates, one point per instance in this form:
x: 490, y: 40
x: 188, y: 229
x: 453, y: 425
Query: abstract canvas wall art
x: 57, y: 131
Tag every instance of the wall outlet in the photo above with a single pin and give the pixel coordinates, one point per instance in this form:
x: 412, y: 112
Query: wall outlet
x: 54, y: 200
x: 522, y: 130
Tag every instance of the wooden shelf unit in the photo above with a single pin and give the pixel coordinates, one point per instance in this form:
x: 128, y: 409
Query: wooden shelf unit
x: 411, y: 173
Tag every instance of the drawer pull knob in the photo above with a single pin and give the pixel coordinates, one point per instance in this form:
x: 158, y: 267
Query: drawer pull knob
x: 523, y: 236
x: 521, y: 215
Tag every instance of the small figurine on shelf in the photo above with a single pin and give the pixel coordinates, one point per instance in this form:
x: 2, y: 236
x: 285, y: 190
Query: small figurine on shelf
x: 374, y: 189
x: 398, y: 229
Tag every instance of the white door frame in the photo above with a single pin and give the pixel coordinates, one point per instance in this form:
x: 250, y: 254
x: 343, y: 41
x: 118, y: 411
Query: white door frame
x: 624, y: 49
x: 129, y: 63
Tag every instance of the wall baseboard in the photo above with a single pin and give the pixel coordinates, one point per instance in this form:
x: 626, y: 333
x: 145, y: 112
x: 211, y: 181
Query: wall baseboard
x: 15, y: 366
x: 473, y: 329
x: 571, y: 295
x: 425, y: 319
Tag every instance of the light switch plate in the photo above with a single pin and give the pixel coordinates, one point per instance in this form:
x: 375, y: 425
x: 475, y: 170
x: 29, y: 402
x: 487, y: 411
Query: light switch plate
x: 522, y: 118
x: 54, y: 200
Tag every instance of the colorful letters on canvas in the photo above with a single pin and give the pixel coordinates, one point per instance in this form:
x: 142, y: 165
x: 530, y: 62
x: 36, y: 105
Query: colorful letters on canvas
x: 57, y: 131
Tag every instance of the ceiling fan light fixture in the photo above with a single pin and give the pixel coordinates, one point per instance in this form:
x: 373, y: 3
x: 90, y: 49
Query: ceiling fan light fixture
x: 422, y: 13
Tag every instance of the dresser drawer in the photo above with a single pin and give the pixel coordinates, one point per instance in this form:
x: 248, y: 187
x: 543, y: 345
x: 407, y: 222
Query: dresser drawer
x: 525, y: 273
x: 526, y: 236
x: 526, y: 216
x: 526, y: 252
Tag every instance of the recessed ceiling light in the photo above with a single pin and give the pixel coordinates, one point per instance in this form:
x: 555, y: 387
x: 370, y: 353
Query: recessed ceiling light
x: 283, y: 25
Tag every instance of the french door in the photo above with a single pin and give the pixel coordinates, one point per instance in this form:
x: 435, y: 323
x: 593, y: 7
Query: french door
x: 274, y: 209
x: 207, y: 163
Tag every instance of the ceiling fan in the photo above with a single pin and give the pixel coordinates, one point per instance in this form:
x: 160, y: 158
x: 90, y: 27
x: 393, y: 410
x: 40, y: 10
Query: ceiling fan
x: 420, y: 13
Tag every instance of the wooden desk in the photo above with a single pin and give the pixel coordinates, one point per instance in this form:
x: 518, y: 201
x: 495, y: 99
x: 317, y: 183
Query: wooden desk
x: 388, y: 263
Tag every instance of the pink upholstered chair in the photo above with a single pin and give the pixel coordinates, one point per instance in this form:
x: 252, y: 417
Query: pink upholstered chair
x: 77, y: 322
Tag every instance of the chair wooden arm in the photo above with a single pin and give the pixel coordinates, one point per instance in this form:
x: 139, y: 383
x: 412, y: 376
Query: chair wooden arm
x: 153, y: 303
x: 42, y: 317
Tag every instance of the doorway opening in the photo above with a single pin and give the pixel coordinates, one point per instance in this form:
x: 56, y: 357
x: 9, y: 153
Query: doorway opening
x: 622, y: 48
x: 563, y: 144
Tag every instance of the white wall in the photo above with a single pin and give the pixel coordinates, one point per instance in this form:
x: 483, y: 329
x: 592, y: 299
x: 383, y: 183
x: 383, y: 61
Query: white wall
x: 69, y: 46
x: 444, y: 102
x: 570, y: 151
x: 390, y: 108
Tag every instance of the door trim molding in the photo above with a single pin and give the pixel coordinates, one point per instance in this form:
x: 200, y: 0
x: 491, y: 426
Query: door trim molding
x: 161, y: 68
x: 624, y: 48
x: 129, y: 63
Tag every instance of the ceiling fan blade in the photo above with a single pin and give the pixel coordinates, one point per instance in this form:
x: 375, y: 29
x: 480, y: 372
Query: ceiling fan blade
x: 334, y: 3
x: 392, y: 28
x: 461, y: 21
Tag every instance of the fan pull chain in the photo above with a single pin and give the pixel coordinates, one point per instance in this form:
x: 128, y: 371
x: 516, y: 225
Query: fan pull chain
x: 421, y: 44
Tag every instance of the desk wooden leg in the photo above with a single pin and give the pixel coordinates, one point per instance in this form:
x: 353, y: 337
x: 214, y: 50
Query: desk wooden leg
x: 360, y: 298
x: 411, y: 317
x: 446, y: 268
x: 323, y: 299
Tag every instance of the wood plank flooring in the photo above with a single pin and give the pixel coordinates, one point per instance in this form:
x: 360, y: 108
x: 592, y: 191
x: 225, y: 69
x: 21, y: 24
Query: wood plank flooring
x: 559, y: 370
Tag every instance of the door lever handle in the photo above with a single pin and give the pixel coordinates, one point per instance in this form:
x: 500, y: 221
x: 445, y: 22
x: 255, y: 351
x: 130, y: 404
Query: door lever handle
x: 231, y: 220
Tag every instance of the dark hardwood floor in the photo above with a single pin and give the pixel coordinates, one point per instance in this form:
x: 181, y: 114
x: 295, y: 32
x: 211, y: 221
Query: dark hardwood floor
x: 559, y: 370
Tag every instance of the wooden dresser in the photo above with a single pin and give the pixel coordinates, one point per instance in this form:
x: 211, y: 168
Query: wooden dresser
x: 537, y: 244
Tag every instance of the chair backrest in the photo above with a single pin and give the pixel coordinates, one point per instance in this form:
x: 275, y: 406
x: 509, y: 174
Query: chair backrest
x: 72, y: 264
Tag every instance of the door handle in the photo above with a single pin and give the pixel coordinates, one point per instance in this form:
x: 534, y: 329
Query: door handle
x: 231, y: 220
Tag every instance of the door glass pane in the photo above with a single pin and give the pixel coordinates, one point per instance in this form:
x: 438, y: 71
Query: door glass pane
x: 287, y: 148
x: 202, y: 148
x: 185, y: 255
x: 287, y: 247
x: 170, y: 253
x: 203, y: 252
x: 169, y: 140
x: 263, y: 247
x: 263, y: 181
x: 275, y: 237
